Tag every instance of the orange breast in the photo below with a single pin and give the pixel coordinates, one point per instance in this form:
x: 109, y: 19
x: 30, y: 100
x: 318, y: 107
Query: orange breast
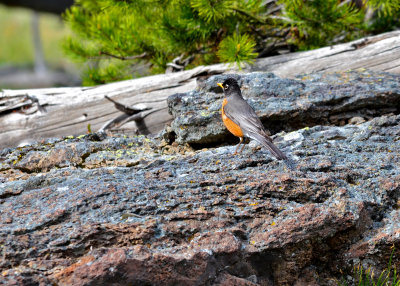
x: 230, y: 125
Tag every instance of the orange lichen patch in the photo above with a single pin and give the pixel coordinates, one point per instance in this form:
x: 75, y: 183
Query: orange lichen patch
x: 230, y: 125
x: 4, y: 273
x: 70, y: 269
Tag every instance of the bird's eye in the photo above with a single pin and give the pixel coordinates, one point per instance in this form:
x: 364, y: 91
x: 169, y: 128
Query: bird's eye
x: 226, y: 86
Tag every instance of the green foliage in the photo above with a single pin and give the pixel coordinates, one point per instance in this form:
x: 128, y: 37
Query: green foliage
x: 106, y: 71
x: 239, y: 48
x: 316, y: 23
x: 366, y: 277
x: 385, y: 7
x: 110, y: 37
x: 211, y: 11
x: 159, y: 31
x: 319, y: 23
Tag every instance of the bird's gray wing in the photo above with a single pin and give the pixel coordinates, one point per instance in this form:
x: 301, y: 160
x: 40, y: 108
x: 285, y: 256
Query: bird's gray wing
x: 240, y: 112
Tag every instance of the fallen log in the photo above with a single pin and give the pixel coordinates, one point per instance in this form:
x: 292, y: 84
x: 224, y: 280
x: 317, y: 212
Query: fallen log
x: 77, y: 110
x: 378, y: 53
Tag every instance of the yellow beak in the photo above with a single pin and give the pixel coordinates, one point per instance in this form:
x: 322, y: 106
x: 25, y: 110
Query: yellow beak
x: 220, y: 84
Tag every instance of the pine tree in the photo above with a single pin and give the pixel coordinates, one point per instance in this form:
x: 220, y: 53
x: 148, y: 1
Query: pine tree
x: 111, y: 38
x: 319, y: 23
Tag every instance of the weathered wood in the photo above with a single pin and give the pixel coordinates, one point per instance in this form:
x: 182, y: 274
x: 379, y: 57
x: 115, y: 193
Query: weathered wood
x: 380, y: 53
x: 69, y: 111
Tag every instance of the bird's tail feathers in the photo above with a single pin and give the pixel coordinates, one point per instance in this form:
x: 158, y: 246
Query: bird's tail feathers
x: 267, y: 143
x: 278, y: 154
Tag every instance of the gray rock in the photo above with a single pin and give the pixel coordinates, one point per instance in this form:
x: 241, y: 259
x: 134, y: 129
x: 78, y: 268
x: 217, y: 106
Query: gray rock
x: 96, y: 210
x: 285, y: 104
x: 356, y: 120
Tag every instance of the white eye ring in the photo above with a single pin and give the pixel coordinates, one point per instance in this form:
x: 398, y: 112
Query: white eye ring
x: 226, y: 86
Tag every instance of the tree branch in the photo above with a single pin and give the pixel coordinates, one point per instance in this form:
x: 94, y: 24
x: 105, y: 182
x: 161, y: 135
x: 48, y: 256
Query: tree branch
x: 122, y: 57
x: 254, y: 17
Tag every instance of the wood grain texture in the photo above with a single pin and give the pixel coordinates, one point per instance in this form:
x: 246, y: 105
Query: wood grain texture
x: 380, y: 53
x: 70, y: 110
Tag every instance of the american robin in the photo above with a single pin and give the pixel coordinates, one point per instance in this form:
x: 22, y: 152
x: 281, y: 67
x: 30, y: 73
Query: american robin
x: 242, y: 121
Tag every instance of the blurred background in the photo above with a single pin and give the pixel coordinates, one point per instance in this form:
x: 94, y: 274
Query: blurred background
x: 31, y: 55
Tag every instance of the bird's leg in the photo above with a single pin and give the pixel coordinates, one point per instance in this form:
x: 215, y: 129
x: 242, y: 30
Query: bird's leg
x: 237, y: 147
x: 243, y: 145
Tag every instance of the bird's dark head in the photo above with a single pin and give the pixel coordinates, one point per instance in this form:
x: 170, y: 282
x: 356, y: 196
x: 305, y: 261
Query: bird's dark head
x: 230, y: 86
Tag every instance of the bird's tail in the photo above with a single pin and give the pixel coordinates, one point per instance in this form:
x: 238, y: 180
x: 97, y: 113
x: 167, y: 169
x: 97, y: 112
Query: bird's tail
x: 278, y: 154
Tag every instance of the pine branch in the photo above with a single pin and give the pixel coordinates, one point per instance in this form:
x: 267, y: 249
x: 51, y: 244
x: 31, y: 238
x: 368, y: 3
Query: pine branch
x: 266, y: 20
x: 254, y: 17
x: 161, y: 30
x: 122, y: 57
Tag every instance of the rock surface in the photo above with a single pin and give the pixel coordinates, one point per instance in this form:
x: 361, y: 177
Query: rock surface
x: 286, y: 104
x: 97, y: 210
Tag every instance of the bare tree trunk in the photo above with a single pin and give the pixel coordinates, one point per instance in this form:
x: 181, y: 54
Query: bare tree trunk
x: 40, y: 65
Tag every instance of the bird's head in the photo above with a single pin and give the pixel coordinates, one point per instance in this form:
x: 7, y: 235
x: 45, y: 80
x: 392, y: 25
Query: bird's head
x: 230, y: 86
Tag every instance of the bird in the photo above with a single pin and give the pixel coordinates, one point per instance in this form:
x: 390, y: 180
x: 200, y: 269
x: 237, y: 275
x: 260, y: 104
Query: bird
x: 242, y: 121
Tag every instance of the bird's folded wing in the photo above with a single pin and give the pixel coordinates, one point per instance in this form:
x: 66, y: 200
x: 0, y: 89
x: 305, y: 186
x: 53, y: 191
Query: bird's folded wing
x: 244, y: 116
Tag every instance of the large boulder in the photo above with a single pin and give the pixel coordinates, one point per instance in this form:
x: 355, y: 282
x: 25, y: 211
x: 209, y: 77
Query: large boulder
x: 285, y: 104
x: 98, y: 210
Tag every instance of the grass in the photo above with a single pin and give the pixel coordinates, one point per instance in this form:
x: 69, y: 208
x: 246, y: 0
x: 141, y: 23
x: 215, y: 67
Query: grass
x: 366, y: 277
x: 16, y: 47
